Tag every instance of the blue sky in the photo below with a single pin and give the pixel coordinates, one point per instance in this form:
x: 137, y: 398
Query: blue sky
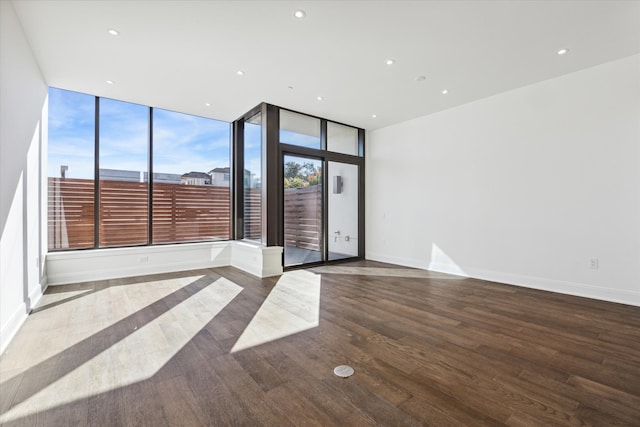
x: 252, y: 149
x: 71, y: 133
x: 182, y: 143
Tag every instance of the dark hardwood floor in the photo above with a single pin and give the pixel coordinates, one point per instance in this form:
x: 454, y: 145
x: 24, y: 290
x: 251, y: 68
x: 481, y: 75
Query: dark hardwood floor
x: 427, y: 349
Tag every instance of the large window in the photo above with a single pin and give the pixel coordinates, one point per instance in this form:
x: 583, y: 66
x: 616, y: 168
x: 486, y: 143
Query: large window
x: 124, y: 190
x: 188, y: 201
x: 311, y: 196
x: 253, y: 178
x: 191, y: 192
x: 70, y: 170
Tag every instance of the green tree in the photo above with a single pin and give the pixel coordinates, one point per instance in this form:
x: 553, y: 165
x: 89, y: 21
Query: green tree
x: 295, y: 182
x: 292, y: 169
x: 298, y: 175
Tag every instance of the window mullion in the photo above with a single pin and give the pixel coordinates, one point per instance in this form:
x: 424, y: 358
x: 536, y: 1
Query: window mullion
x: 96, y: 176
x: 150, y: 179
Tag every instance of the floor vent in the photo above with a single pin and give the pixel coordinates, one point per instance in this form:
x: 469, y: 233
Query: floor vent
x: 343, y: 371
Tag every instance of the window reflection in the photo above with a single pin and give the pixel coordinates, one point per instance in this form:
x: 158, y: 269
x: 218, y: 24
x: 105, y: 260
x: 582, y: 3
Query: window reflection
x: 252, y: 225
x: 299, y: 129
x: 342, y: 139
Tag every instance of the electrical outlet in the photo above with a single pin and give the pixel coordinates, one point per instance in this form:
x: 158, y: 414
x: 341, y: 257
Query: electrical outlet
x: 593, y: 263
x: 144, y: 259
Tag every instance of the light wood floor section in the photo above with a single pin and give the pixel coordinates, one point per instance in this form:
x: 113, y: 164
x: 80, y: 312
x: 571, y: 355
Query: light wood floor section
x: 220, y: 347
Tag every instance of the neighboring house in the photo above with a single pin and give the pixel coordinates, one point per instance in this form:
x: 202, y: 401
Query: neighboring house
x: 196, y: 178
x: 220, y: 177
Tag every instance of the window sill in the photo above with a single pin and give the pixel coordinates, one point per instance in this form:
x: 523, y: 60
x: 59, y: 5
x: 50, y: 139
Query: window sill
x: 110, y: 263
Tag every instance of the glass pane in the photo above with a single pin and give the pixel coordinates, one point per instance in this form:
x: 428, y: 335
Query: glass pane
x: 343, y: 210
x: 253, y: 178
x: 70, y: 170
x: 302, y: 210
x: 124, y: 134
x: 342, y: 139
x: 298, y: 129
x: 191, y: 191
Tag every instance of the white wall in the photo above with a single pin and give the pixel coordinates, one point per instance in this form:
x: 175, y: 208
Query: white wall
x: 525, y: 187
x: 23, y: 95
x: 110, y: 263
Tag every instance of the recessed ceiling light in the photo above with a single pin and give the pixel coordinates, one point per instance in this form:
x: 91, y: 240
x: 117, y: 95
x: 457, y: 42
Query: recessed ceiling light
x: 562, y: 51
x: 319, y: 98
x: 299, y: 14
x: 445, y: 91
x: 207, y: 104
x: 113, y: 32
x: 389, y: 62
x: 420, y: 78
x: 240, y: 73
x: 374, y: 116
x: 109, y: 81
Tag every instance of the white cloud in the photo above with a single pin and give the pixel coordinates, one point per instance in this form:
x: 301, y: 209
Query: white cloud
x: 182, y: 143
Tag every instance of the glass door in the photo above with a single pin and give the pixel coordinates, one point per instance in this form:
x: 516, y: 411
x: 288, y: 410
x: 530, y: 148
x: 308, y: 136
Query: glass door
x: 303, y: 210
x: 342, y: 197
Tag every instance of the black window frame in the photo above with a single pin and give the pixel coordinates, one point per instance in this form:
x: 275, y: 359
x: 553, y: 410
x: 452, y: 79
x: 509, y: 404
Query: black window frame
x: 273, y: 191
x: 96, y: 190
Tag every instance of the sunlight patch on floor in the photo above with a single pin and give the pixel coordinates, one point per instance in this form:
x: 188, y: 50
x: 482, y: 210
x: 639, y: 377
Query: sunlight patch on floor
x: 87, y: 310
x: 139, y: 355
x: 292, y: 306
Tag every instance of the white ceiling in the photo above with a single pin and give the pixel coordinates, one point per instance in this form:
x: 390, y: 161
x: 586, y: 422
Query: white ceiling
x: 180, y: 55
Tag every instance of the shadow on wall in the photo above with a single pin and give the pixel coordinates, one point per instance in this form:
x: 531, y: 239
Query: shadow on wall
x: 23, y: 112
x: 21, y: 236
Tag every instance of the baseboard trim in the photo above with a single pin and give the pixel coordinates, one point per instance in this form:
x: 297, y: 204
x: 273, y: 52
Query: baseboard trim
x: 620, y: 296
x: 584, y: 290
x: 120, y: 272
x: 406, y: 262
x: 11, y: 328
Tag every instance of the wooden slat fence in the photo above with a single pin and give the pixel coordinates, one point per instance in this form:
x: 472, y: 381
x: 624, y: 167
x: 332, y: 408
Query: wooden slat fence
x: 252, y: 214
x: 180, y: 213
x: 303, y: 217
x: 70, y: 213
x: 123, y: 213
x: 190, y: 212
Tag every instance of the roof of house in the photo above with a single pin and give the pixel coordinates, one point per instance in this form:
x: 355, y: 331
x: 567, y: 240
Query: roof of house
x: 220, y: 170
x: 196, y: 175
x: 227, y: 170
